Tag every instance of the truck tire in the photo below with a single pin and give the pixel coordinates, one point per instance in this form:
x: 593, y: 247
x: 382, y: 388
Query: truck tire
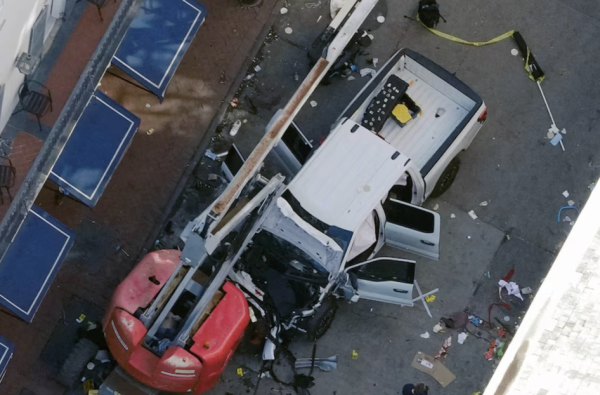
x: 447, y: 178
x: 322, y: 319
x: 78, y: 358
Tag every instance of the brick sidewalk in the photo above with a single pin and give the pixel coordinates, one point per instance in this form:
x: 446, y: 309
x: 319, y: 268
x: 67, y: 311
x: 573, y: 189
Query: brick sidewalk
x: 143, y: 183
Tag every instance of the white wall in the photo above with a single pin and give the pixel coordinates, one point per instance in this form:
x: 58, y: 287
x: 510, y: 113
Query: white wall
x: 16, y: 18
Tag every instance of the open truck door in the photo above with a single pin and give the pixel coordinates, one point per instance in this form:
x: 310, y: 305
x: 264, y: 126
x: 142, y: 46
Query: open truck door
x: 412, y: 228
x: 388, y: 280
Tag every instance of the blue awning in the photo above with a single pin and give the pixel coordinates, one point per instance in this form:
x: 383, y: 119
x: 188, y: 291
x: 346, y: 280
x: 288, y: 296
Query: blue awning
x: 6, y: 352
x: 31, y: 261
x: 156, y: 41
x: 95, y: 148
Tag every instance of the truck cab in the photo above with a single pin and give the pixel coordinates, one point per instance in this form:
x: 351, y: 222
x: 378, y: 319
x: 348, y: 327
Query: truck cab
x: 320, y: 237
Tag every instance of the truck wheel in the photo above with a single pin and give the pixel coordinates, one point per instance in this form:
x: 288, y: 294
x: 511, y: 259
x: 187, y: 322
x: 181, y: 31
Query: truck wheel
x: 78, y: 358
x: 322, y: 319
x: 446, y: 179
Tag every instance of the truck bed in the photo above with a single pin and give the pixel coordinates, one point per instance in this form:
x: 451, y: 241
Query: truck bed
x: 422, y: 137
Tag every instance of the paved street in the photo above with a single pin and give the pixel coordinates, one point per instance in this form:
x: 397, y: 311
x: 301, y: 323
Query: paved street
x: 510, y: 164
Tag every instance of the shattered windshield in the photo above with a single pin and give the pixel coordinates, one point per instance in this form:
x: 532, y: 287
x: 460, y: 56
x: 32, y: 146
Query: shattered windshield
x: 287, y: 253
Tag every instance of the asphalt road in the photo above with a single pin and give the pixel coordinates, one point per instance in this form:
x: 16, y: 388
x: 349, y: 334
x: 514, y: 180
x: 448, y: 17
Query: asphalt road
x: 510, y: 164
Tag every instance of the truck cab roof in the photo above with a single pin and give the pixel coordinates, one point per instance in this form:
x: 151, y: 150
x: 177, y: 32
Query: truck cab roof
x: 348, y: 176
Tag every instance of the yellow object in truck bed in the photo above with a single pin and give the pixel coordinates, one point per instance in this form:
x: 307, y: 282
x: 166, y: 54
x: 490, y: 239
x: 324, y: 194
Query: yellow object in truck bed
x: 400, y: 112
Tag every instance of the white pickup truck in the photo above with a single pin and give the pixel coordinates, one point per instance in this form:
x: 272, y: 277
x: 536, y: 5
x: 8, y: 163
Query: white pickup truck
x: 447, y: 117
x: 292, y: 250
x: 318, y: 235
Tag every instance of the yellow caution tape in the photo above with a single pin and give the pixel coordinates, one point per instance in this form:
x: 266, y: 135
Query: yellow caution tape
x: 461, y: 41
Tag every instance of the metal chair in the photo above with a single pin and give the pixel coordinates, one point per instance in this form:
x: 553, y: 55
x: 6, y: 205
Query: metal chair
x: 35, y: 99
x: 7, y: 178
x: 99, y: 4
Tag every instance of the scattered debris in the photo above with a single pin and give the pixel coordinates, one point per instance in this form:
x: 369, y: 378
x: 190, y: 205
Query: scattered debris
x: 325, y: 364
x: 380, y: 19
x: 234, y: 102
x: 439, y: 112
x: 483, y: 204
x: 489, y: 354
x: 240, y: 372
x: 511, y: 287
x: 430, y: 298
x: 514, y: 52
x: 565, y: 208
x: 462, y: 337
x: 556, y: 139
x: 367, y: 71
x: 566, y: 194
x: 350, y: 78
x: 149, y: 131
x: 434, y: 368
x: 283, y: 11
x: 592, y: 186
x: 444, y: 350
x: 469, y: 237
x: 570, y: 202
x: 223, y: 78
x: 123, y: 251
x: 501, y: 332
x: 235, y: 128
x: 488, y: 274
x: 435, y: 208
x: 425, y: 335
x: 257, y: 68
x: 354, y: 354
x: 318, y: 19
x: 313, y: 103
x: 452, y: 215
x: 526, y: 290
x: 81, y: 318
x: 472, y: 214
x: 288, y: 30
x: 214, y: 156
x: 147, y: 105
x: 506, y: 318
x: 373, y: 61
x: 249, y: 77
x: 475, y: 320
x: 567, y: 219
x: 438, y: 328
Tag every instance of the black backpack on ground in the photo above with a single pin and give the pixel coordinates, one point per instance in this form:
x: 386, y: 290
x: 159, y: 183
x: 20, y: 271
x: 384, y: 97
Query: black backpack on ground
x: 429, y: 13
